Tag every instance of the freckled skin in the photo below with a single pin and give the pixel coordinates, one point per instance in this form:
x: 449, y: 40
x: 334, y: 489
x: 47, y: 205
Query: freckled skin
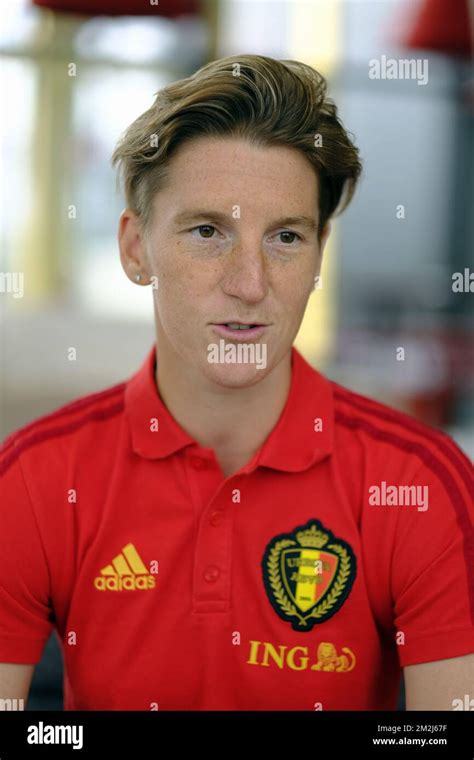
x: 244, y: 269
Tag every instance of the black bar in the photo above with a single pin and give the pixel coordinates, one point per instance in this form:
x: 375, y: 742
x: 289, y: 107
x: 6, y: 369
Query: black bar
x: 301, y: 734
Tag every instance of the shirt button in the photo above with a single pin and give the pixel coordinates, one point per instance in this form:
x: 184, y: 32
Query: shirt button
x: 198, y: 463
x: 211, y: 573
x: 216, y: 518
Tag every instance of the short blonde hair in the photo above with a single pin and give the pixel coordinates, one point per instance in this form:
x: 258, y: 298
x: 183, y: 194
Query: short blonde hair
x: 254, y: 97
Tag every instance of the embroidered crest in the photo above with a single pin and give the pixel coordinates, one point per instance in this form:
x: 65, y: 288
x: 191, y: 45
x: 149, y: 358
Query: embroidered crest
x: 308, y: 574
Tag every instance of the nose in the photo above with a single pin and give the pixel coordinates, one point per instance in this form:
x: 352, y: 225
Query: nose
x: 245, y: 274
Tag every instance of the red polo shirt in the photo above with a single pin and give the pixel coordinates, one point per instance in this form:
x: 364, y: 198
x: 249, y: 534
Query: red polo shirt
x: 342, y: 551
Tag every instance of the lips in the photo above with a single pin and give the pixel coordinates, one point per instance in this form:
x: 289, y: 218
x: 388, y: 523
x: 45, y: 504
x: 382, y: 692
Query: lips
x: 248, y: 330
x: 240, y: 325
x: 245, y: 325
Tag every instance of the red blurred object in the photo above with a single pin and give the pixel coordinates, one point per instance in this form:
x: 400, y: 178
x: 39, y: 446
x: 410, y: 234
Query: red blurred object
x: 168, y: 8
x: 443, y: 26
x: 435, y: 409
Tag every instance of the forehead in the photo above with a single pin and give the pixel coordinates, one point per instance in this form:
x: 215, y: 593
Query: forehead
x: 233, y: 165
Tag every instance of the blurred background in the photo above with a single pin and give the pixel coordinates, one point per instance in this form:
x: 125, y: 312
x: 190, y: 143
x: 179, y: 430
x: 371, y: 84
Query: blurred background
x: 399, y: 263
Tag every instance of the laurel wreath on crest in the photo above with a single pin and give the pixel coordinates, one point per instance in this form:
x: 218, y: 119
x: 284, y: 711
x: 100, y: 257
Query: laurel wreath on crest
x: 329, y: 601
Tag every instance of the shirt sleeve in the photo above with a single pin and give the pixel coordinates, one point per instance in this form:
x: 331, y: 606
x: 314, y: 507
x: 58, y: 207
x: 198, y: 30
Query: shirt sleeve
x: 26, y: 617
x: 432, y: 571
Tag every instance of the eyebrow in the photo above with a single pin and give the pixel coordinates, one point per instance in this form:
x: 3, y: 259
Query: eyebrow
x: 192, y: 215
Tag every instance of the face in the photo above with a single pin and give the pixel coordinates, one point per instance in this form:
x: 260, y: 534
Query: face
x: 233, y: 238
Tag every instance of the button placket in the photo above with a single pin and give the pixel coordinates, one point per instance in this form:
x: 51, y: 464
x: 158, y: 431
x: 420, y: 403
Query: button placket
x: 216, y: 518
x: 214, y: 553
x: 198, y: 463
x: 210, y: 494
x: 211, y: 574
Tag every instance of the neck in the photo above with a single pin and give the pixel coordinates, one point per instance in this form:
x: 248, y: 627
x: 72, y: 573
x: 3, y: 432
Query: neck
x: 234, y: 422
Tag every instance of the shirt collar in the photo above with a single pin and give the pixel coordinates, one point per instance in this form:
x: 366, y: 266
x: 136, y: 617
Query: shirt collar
x: 302, y: 436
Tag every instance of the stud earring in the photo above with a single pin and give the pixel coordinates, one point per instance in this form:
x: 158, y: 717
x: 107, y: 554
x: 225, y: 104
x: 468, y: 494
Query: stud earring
x: 138, y: 277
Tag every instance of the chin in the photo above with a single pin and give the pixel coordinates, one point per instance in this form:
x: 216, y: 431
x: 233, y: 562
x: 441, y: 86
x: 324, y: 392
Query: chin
x: 235, y: 375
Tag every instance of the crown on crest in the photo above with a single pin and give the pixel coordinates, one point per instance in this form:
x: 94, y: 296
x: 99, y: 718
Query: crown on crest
x: 312, y: 537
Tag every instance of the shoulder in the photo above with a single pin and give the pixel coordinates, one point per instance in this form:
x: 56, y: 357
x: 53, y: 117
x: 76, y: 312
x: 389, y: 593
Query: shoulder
x: 81, y: 418
x: 388, y: 436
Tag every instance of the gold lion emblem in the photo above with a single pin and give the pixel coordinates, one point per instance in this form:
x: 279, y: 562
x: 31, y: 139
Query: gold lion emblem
x: 329, y: 660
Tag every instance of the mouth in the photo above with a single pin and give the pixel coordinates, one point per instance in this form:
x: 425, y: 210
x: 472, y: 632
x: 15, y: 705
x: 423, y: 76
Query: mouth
x: 240, y: 330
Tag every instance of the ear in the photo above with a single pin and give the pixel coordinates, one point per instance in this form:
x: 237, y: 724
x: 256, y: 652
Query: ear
x: 324, y: 236
x: 132, y: 247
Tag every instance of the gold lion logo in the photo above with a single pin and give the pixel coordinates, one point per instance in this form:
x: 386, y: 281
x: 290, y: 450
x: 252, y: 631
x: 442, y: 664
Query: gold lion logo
x: 329, y: 660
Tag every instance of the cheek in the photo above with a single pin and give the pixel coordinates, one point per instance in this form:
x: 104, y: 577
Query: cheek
x: 175, y: 279
x: 295, y: 285
x: 184, y: 271
x: 183, y: 286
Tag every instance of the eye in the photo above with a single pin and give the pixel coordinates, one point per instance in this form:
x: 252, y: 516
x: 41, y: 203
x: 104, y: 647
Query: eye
x: 207, y: 228
x: 288, y: 232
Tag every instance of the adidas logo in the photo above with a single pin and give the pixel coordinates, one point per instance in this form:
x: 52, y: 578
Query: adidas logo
x: 127, y: 572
